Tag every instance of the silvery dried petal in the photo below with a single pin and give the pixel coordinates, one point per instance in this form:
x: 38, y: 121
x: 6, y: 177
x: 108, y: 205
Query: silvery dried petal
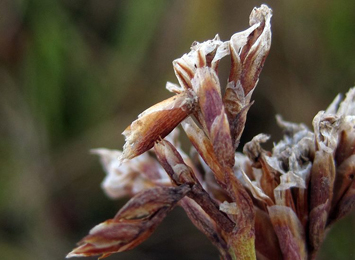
x: 229, y: 208
x: 256, y: 191
x: 201, y: 55
x: 282, y: 193
x: 292, y: 158
x: 131, y: 177
x: 275, y: 163
x: 326, y: 129
x: 297, y: 145
x: 222, y: 51
x: 208, y: 51
x: 334, y: 106
x: 243, y: 164
x: 290, y: 129
x: 261, y: 159
x: 290, y: 180
x: 237, y: 42
x: 347, y: 107
x: 175, y: 88
x: 253, y: 148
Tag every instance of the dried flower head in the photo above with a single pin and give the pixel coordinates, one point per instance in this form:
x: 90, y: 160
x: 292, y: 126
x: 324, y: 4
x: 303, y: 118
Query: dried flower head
x: 260, y: 204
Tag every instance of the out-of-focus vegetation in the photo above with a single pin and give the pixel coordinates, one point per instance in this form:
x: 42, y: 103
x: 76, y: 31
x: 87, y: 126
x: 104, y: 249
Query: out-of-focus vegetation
x: 74, y: 74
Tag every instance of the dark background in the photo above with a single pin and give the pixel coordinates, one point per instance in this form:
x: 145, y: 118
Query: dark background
x: 75, y: 73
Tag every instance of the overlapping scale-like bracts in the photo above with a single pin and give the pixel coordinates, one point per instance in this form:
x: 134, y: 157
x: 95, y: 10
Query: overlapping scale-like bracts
x: 257, y: 204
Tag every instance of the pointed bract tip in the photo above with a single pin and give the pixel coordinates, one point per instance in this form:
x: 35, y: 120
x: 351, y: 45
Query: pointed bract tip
x: 73, y: 254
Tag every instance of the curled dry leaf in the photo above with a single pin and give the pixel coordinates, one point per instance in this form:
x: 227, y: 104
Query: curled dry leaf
x: 130, y: 177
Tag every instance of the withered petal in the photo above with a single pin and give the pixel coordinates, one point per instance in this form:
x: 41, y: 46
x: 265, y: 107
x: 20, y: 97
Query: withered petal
x: 129, y: 177
x: 347, y: 107
x: 256, y: 191
x: 175, y: 88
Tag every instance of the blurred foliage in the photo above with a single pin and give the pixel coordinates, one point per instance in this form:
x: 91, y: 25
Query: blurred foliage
x: 73, y: 74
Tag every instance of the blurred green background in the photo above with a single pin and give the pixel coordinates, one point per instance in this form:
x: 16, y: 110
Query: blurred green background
x: 75, y: 73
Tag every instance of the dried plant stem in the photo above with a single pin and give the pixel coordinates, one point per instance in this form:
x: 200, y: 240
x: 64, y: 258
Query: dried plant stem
x: 269, y: 205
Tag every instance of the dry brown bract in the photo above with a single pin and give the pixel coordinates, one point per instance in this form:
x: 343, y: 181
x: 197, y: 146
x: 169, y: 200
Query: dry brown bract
x: 261, y: 204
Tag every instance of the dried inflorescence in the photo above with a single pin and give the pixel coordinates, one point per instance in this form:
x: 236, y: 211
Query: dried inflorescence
x: 261, y: 204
